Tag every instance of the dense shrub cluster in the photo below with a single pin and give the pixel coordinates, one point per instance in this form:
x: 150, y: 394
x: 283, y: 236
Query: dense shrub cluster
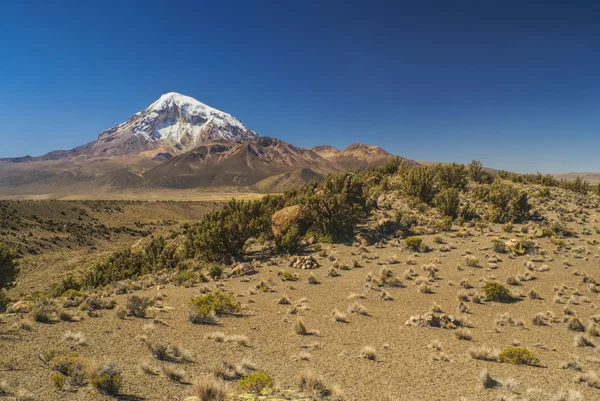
x: 335, y: 207
x: 330, y: 212
x: 448, y: 202
x: 452, y: 176
x: 578, y: 185
x: 477, y: 173
x: 507, y: 203
x: 420, y: 183
x: 221, y: 234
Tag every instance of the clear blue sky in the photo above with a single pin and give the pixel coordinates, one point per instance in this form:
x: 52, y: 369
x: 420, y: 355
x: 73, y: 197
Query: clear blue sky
x: 513, y: 83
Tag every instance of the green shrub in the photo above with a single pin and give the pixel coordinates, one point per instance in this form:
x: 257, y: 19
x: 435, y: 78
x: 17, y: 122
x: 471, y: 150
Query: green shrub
x: 507, y: 203
x: 578, y: 185
x: 59, y: 380
x: 496, y: 292
x: 447, y: 201
x: 257, y: 383
x: 158, y: 255
x: 107, y: 379
x: 216, y: 303
x: 467, y: 213
x: 185, y: 277
x: 452, y: 176
x: 215, y: 271
x: 477, y: 173
x: 287, y: 276
x: 334, y: 207
x: 222, y: 234
x: 120, y: 265
x: 420, y: 183
x: 67, y: 364
x: 68, y: 283
x: 444, y: 224
x: 289, y: 240
x: 519, y: 356
x: 9, y: 268
x: 413, y: 243
x: 544, y: 232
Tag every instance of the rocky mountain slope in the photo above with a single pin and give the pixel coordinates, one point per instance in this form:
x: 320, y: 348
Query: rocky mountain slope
x: 231, y: 164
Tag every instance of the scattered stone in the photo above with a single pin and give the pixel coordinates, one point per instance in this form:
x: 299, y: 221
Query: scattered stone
x: 304, y: 263
x: 430, y: 319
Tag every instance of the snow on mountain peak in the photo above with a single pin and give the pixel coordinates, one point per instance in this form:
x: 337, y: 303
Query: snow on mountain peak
x: 174, y: 122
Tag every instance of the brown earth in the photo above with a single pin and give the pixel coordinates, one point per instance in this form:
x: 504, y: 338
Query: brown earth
x: 407, y: 365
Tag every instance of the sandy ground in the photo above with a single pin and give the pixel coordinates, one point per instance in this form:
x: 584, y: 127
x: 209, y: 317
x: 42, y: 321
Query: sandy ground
x: 403, y: 368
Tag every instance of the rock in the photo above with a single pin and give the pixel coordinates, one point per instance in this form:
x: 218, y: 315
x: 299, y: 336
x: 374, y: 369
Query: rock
x: 20, y: 307
x: 383, y: 202
x: 305, y: 263
x: 285, y: 218
x: 430, y: 319
x: 243, y: 269
x: 363, y: 239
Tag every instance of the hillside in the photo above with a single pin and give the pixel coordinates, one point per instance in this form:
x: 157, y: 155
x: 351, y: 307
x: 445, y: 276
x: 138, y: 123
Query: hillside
x: 357, y: 156
x: 501, y: 300
x: 235, y: 164
x: 288, y: 181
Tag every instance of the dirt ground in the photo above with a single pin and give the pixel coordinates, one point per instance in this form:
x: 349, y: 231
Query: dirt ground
x: 406, y: 367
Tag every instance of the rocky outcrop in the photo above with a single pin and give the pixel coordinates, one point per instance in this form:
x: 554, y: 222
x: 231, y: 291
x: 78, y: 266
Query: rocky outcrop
x: 285, y: 218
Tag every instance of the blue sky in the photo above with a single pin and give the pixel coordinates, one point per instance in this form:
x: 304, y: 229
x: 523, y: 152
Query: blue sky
x: 512, y: 83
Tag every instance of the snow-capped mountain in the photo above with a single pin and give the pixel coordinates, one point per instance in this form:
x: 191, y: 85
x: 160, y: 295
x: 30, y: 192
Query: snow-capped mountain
x: 172, y: 125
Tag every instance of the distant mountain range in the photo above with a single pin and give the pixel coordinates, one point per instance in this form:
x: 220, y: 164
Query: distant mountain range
x: 179, y: 142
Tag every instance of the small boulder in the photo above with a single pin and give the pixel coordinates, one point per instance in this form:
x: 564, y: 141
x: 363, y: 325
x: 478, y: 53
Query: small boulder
x: 285, y: 218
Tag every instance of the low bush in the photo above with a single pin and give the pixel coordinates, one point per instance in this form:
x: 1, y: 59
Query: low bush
x: 107, y: 378
x: 519, y: 356
x: 257, y: 383
x: 413, y: 243
x: 496, y: 292
x: 206, y: 307
x: 137, y: 306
